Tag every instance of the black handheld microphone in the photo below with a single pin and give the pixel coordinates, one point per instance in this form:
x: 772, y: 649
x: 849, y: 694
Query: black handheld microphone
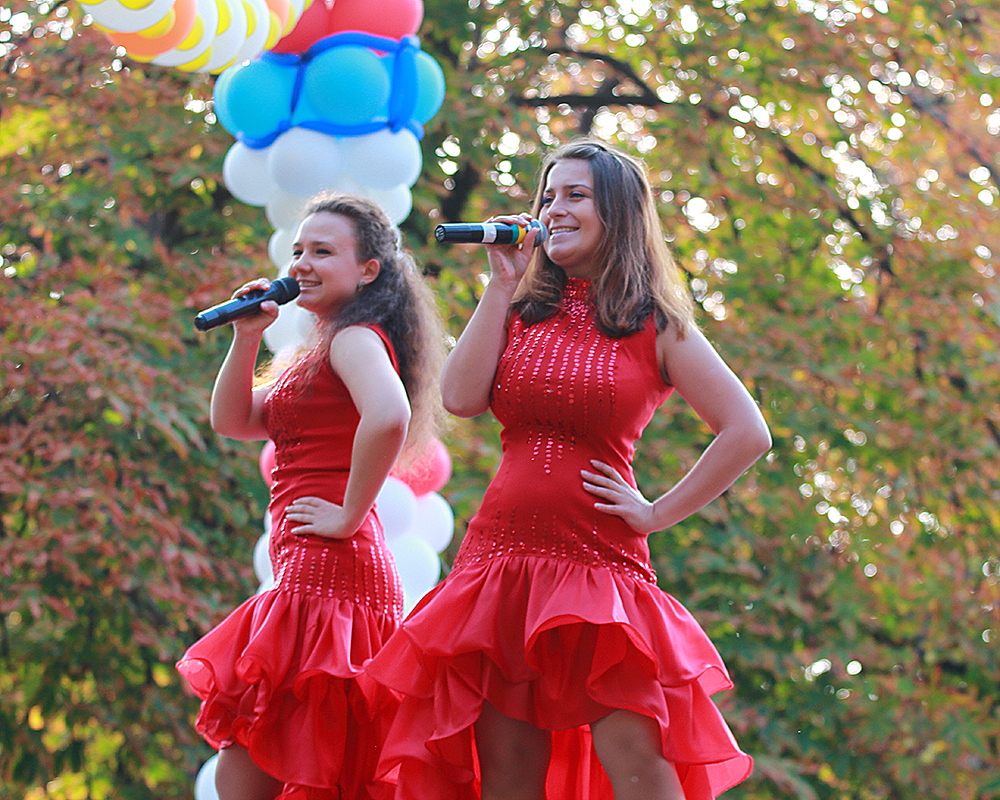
x: 280, y: 291
x: 489, y: 232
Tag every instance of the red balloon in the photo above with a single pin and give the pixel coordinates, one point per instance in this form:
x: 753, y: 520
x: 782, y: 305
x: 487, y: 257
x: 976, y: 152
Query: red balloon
x: 392, y: 18
x: 429, y: 473
x: 267, y: 457
x: 311, y: 27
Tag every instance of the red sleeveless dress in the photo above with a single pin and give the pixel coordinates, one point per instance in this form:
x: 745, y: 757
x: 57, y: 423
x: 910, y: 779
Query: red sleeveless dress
x: 283, y: 675
x: 551, y: 612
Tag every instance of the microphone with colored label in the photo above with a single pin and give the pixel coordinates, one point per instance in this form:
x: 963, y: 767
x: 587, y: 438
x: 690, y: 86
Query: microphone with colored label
x: 489, y: 232
x: 280, y: 291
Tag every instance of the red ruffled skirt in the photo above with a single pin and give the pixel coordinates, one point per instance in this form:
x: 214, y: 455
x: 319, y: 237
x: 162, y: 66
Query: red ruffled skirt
x: 283, y: 676
x: 559, y: 645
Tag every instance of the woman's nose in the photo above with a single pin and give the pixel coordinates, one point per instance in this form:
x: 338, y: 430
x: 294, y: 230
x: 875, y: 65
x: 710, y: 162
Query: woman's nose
x: 555, y: 208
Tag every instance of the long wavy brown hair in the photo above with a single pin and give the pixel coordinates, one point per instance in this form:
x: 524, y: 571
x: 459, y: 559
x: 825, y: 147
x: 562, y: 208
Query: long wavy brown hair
x: 640, y: 276
x: 399, y: 301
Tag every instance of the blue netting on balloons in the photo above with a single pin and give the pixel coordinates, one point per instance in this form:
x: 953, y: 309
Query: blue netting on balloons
x: 347, y: 84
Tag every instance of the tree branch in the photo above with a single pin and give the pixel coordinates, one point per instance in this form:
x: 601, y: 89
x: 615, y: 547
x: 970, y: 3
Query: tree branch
x: 605, y: 95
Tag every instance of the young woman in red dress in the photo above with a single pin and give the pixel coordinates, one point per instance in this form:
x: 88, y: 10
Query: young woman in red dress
x: 548, y: 664
x: 284, y: 695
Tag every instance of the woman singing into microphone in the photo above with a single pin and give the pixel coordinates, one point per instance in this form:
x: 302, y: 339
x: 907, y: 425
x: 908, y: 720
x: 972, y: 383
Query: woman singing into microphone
x: 548, y: 664
x: 284, y: 696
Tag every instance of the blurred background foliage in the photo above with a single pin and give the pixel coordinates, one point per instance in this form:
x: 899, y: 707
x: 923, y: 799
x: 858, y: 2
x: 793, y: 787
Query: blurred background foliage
x: 828, y: 172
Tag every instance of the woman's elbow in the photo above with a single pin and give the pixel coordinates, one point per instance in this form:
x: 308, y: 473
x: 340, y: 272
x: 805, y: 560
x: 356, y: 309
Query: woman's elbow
x: 398, y: 418
x: 759, y: 439
x: 395, y: 422
x: 464, y: 411
x: 461, y: 404
x: 223, y: 427
x: 750, y: 438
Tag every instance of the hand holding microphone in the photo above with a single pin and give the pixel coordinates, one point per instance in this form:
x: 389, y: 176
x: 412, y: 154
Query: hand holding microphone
x: 280, y: 291
x: 489, y: 232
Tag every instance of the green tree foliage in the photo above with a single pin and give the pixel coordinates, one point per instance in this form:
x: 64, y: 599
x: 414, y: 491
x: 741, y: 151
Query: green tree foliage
x: 828, y: 173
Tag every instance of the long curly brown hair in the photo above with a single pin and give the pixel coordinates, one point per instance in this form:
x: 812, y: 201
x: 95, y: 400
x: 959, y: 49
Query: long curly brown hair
x: 399, y: 301
x: 640, y: 276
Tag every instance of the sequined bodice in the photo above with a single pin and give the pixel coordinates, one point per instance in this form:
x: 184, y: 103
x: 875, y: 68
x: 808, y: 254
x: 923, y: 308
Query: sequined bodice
x: 566, y: 393
x: 312, y: 421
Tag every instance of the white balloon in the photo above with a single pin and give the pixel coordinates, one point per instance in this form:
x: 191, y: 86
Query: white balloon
x: 284, y: 210
x: 397, y: 202
x: 304, y: 162
x: 258, y: 29
x: 207, y: 12
x: 383, y: 159
x: 279, y: 247
x: 298, y: 6
x: 346, y: 184
x: 262, y: 559
x: 116, y: 16
x: 434, y: 521
x: 290, y: 329
x: 418, y: 566
x: 204, y: 784
x: 230, y: 40
x: 396, y: 506
x: 245, y: 173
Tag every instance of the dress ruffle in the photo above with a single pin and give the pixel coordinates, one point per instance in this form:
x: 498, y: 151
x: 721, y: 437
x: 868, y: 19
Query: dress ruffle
x: 560, y: 645
x: 301, y: 705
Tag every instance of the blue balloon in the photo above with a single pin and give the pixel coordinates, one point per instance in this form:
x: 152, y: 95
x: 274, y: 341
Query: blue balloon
x: 219, y: 95
x: 257, y: 98
x: 346, y: 86
x: 303, y: 112
x: 404, y: 87
x: 430, y: 88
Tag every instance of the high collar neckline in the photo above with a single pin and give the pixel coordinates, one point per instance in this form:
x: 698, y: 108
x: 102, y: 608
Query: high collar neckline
x: 577, y: 288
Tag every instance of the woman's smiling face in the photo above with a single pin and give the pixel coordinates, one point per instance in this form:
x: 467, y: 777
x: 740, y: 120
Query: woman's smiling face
x: 325, y: 264
x: 570, y: 214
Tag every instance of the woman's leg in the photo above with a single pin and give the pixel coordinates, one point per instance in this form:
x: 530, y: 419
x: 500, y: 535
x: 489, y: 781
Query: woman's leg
x: 237, y: 777
x: 628, y: 746
x: 513, y: 756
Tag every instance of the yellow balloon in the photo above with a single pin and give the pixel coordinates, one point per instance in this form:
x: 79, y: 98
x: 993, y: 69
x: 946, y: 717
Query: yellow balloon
x: 275, y: 33
x: 116, y: 16
x: 198, y: 63
x: 231, y: 37
x: 225, y: 17
x: 160, y: 27
x: 258, y: 29
x: 193, y: 38
x: 251, y: 18
x: 199, y: 40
